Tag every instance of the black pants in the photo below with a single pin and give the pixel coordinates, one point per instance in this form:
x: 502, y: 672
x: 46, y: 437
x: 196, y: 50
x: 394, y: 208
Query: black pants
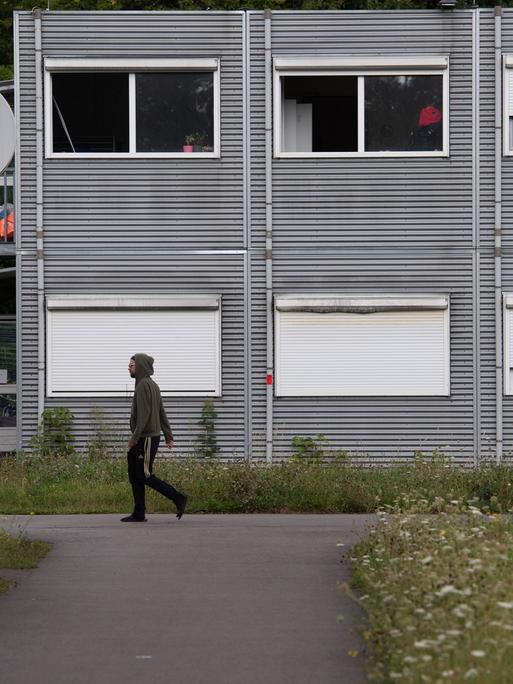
x: 140, y: 473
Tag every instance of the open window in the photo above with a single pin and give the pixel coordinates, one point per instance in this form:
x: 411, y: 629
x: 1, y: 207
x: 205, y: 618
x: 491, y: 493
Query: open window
x: 162, y: 108
x: 360, y: 107
x: 88, y: 346
x: 383, y: 345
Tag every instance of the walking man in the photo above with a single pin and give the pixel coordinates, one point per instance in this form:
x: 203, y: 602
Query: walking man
x: 147, y: 419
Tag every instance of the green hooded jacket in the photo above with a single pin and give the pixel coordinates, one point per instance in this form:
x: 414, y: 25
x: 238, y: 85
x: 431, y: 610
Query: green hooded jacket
x: 148, y: 416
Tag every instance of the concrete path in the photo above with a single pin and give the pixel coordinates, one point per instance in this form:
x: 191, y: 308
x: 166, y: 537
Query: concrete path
x: 212, y: 599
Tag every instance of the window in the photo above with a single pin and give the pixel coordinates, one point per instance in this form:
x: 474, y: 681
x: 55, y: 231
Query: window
x: 88, y: 346
x: 382, y: 345
x: 508, y: 342
x: 159, y: 108
x: 508, y: 105
x: 361, y: 107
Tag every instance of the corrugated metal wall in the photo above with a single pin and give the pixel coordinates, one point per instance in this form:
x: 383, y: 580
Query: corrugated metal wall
x: 486, y: 229
x: 137, y: 225
x: 370, y: 225
x: 381, y: 225
x: 507, y: 232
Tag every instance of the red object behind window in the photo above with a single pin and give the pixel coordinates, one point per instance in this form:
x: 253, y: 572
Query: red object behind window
x: 429, y: 115
x: 10, y: 227
x: 269, y: 379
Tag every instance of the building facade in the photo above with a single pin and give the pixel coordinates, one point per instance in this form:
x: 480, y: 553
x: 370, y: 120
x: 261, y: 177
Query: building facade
x: 302, y: 215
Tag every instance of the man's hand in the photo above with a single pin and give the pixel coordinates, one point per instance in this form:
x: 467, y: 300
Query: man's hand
x: 169, y: 443
x: 131, y: 444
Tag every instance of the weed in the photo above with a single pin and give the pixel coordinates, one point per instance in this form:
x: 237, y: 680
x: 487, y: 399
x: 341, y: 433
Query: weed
x: 206, y: 444
x: 54, y: 435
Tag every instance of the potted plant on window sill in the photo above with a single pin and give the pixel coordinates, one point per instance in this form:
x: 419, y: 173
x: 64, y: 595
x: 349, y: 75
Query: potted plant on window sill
x: 194, y: 142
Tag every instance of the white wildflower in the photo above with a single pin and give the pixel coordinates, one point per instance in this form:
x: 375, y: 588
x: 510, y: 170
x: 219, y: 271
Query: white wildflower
x: 447, y: 589
x: 478, y: 654
x: 409, y: 659
x: 505, y: 604
x: 470, y: 674
x: 427, y: 560
x: 395, y: 675
x: 427, y: 658
x: 447, y: 673
x: 422, y: 644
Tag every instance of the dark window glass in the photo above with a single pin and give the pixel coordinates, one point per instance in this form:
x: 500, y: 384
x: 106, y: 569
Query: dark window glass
x: 320, y: 114
x: 403, y: 113
x: 175, y: 112
x: 7, y: 349
x: 90, y: 112
x: 7, y: 410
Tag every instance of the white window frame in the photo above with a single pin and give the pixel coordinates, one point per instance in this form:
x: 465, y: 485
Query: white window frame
x: 507, y: 65
x: 134, y: 302
x: 352, y: 303
x: 131, y: 67
x: 360, y: 67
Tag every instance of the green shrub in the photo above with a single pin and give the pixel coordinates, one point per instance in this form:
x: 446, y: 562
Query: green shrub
x: 54, y: 437
x: 206, y: 444
x: 310, y: 447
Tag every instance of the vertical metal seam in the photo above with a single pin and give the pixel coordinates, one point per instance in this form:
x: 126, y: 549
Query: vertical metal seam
x: 476, y: 256
x: 39, y: 213
x: 498, y: 238
x: 17, y: 238
x: 246, y: 135
x: 268, y: 235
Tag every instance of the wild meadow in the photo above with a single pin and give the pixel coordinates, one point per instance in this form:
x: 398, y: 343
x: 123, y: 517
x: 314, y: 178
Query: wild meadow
x: 435, y: 581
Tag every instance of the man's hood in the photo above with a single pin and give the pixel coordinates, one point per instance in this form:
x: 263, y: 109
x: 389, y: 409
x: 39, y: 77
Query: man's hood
x: 143, y: 366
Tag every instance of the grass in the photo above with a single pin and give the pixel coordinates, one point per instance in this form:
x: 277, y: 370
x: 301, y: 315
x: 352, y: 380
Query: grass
x: 18, y: 552
x: 75, y: 484
x: 438, y: 594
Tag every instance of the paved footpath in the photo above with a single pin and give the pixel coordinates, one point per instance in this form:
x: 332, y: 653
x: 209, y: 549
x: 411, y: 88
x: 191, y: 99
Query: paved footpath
x: 210, y: 599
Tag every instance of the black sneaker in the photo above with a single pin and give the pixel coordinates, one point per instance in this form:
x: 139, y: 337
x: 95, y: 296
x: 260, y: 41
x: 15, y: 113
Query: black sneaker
x: 180, y: 507
x: 133, y: 518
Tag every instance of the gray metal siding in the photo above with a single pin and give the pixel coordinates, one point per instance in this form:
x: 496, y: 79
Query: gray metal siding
x: 487, y: 190
x: 381, y: 225
x: 403, y: 202
x: 391, y: 427
x: 164, y: 273
x: 370, y: 225
x: 187, y: 203
x: 132, y: 225
x: 507, y: 233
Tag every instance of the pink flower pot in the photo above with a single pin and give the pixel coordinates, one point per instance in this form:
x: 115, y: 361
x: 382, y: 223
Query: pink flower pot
x: 187, y: 148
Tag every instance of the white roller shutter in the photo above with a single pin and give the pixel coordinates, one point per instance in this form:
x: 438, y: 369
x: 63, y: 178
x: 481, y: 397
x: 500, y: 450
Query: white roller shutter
x: 88, y: 347
x: 508, y: 104
x: 378, y: 352
x: 508, y: 343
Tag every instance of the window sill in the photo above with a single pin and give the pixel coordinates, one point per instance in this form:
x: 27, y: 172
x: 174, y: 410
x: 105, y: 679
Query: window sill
x: 134, y: 155
x: 361, y: 155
